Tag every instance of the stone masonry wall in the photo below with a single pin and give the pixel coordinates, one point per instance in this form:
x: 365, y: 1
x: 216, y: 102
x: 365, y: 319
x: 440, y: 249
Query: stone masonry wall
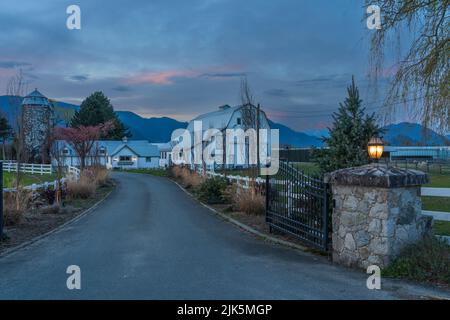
x: 36, y: 127
x: 372, y: 224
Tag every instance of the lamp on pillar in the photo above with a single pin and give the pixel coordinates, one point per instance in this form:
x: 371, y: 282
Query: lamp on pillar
x: 375, y: 148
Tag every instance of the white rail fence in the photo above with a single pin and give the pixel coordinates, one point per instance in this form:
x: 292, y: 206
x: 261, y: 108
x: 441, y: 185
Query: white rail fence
x: 11, y: 166
x: 239, y: 180
x: 36, y: 186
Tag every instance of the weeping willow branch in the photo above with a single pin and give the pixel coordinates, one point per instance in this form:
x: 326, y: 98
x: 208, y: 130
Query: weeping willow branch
x: 422, y: 74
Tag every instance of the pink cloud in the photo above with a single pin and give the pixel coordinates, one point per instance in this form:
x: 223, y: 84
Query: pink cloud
x: 167, y: 77
x: 162, y: 78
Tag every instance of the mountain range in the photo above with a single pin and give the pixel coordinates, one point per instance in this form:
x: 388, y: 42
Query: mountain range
x: 160, y: 129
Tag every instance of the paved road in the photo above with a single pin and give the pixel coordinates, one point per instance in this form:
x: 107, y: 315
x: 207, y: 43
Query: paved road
x: 151, y: 240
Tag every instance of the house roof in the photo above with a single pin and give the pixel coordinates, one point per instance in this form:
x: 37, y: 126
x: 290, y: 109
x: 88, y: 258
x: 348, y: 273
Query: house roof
x: 218, y: 119
x: 36, y: 98
x: 164, y: 146
x: 141, y: 148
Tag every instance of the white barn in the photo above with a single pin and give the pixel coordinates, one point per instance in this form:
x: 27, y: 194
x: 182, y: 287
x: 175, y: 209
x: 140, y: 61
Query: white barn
x: 227, y: 117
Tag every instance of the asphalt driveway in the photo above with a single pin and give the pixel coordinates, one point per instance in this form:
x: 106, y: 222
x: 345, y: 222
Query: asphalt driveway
x: 150, y: 240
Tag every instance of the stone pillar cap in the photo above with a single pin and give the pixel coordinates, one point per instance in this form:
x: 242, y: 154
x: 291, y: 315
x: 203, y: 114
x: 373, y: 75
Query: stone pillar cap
x: 377, y: 175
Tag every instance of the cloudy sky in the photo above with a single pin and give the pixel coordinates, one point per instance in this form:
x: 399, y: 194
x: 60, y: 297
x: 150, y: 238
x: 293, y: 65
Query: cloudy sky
x: 180, y: 58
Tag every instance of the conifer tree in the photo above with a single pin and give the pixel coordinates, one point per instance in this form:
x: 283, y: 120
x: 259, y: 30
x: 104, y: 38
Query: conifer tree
x: 349, y: 135
x: 96, y: 110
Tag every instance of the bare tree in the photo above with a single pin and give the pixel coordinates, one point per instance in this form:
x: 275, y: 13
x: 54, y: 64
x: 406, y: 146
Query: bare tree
x: 421, y: 76
x: 15, y: 89
x: 250, y: 117
x: 248, y: 105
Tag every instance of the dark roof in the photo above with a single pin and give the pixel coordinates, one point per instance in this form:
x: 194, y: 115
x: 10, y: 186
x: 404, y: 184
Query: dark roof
x: 36, y: 98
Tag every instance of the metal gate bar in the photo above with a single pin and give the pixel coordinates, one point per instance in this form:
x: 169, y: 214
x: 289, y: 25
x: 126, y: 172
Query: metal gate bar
x: 298, y: 204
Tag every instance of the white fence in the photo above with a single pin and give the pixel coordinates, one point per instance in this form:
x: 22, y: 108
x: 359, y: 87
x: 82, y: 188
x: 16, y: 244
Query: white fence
x: 35, y: 186
x: 242, y: 181
x: 11, y: 166
x: 239, y: 180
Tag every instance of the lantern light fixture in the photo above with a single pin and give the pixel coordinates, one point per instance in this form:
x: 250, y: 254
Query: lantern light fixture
x: 375, y: 148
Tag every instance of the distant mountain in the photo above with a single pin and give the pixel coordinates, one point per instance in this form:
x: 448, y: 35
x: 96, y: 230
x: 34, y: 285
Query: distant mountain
x: 152, y: 129
x: 413, y: 134
x: 160, y: 129
x: 295, y: 138
x: 10, y: 107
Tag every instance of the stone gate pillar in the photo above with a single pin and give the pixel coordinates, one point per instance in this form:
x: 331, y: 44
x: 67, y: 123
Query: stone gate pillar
x: 376, y: 212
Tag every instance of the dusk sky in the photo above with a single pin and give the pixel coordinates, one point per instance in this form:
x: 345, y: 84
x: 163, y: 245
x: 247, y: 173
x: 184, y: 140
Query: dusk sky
x: 180, y: 58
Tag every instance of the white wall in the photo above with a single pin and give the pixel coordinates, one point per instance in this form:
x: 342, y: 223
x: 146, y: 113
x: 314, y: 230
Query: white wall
x: 143, y: 163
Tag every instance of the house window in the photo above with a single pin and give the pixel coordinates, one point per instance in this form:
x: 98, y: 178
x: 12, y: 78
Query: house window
x: 125, y: 158
x: 238, y: 120
x: 148, y: 159
x: 65, y: 151
x: 102, y: 150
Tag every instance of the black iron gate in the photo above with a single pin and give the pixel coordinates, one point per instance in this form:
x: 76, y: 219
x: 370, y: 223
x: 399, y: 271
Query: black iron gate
x: 299, y: 204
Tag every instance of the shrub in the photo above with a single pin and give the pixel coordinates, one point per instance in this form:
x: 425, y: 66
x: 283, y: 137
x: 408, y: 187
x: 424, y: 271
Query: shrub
x: 211, y: 190
x: 14, y: 206
x: 249, y: 201
x: 427, y: 260
x: 49, y: 195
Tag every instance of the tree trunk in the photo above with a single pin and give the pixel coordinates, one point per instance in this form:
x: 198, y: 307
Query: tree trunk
x: 82, y: 162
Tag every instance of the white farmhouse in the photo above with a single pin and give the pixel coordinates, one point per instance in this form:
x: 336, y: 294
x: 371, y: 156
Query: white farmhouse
x: 231, y: 118
x: 132, y: 154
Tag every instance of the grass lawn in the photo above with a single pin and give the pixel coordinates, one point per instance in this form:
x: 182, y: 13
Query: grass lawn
x: 155, y: 172
x: 436, y: 204
x: 442, y: 228
x: 27, y: 179
x: 307, y: 167
x: 439, y: 180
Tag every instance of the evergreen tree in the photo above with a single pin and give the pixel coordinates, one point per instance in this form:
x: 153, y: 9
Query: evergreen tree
x: 97, y: 109
x: 5, y: 133
x: 349, y: 135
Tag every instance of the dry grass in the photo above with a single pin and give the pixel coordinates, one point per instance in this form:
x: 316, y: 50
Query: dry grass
x: 248, y: 201
x: 14, y: 205
x: 101, y: 175
x: 188, y: 179
x: 50, y: 209
x: 83, y: 188
x: 90, y: 179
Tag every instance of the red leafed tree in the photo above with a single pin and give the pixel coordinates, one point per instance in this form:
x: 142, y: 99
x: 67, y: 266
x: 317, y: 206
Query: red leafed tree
x: 82, y: 138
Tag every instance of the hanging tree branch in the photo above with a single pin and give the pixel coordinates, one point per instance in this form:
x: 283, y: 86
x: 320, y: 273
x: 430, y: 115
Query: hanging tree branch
x: 422, y: 75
